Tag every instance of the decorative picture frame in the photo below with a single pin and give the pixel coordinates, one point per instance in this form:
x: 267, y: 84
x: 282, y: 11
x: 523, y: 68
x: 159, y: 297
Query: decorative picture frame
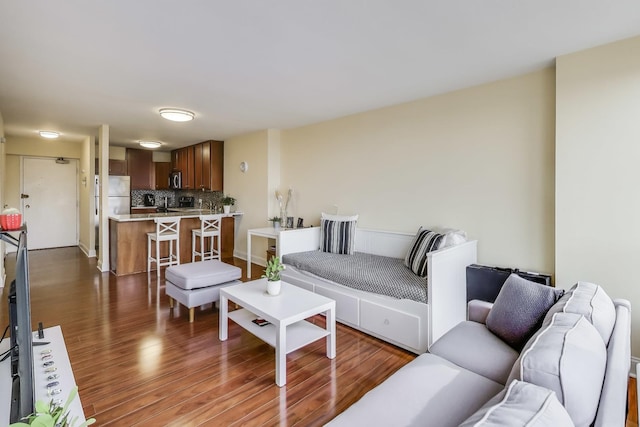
x: 300, y: 223
x: 289, y: 222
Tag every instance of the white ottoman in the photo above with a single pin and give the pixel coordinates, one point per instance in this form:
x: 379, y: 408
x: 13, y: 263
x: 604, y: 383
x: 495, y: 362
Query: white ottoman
x: 199, y: 283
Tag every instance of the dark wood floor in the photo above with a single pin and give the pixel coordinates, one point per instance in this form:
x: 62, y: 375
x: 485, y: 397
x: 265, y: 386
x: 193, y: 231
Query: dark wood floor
x: 138, y: 362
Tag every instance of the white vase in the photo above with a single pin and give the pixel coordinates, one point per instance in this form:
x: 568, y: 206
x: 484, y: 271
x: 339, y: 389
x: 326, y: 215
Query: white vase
x: 227, y: 208
x: 273, y: 287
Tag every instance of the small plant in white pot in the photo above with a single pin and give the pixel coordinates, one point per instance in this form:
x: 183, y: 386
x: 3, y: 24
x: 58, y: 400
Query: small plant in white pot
x: 272, y: 273
x: 276, y: 222
x: 227, y: 202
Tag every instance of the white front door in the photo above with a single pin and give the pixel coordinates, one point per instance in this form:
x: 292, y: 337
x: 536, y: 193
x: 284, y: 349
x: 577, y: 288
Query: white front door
x: 50, y: 202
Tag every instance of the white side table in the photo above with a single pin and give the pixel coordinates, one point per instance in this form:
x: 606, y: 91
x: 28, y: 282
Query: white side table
x: 269, y: 233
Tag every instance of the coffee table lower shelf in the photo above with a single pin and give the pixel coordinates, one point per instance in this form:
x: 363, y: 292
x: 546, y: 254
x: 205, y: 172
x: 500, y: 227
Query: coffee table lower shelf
x: 299, y: 334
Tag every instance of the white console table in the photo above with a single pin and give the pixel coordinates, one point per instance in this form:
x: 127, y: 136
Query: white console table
x: 65, y: 378
x: 287, y: 240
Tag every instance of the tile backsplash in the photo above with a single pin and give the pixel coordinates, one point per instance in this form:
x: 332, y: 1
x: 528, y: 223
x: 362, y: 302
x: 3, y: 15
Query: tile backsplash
x: 213, y: 197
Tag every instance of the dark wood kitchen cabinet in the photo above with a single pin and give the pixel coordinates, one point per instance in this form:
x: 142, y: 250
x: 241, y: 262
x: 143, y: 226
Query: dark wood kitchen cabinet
x: 217, y: 165
x: 182, y: 160
x: 208, y: 165
x: 116, y: 167
x: 141, y: 169
x: 201, y: 169
x: 163, y: 169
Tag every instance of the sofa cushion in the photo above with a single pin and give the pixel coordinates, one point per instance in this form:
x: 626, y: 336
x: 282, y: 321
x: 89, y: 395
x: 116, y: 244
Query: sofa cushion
x: 428, y: 391
x: 491, y: 357
x: 338, y: 236
x: 519, y: 309
x: 424, y: 242
x: 592, y: 302
x: 521, y: 404
x: 568, y: 357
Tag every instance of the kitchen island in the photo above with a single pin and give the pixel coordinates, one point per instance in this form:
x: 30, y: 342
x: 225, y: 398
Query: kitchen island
x: 128, y: 237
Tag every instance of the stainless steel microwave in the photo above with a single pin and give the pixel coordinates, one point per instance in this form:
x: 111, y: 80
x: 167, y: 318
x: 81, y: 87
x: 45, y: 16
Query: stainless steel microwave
x: 175, y: 180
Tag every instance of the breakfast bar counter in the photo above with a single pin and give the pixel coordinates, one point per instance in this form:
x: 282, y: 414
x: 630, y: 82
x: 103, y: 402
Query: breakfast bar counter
x: 128, y: 237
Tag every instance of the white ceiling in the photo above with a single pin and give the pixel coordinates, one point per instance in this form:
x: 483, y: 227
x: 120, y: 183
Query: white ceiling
x: 247, y: 65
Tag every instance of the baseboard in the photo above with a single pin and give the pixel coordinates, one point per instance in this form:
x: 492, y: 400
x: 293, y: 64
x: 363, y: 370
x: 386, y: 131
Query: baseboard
x: 90, y: 253
x: 634, y: 362
x: 254, y: 259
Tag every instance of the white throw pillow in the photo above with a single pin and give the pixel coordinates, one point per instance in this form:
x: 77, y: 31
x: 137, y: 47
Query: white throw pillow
x: 591, y: 301
x: 568, y: 357
x: 339, y: 217
x: 521, y: 404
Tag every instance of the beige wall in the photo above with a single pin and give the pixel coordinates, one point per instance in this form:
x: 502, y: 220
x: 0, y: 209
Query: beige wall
x: 250, y: 188
x: 39, y: 147
x: 479, y: 159
x: 598, y: 153
x: 3, y: 176
x: 86, y: 194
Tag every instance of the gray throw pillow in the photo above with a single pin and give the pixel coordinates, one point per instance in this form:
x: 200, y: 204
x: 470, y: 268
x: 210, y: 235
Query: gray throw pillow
x: 519, y: 309
x: 521, y: 404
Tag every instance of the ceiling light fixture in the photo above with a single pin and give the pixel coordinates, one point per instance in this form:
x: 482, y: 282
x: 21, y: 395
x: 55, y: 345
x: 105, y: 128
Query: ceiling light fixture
x: 150, y: 144
x: 49, y: 134
x: 176, y: 115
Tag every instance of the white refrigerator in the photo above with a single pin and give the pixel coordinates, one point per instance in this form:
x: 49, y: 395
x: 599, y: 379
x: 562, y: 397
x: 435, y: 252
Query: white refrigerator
x: 119, y: 198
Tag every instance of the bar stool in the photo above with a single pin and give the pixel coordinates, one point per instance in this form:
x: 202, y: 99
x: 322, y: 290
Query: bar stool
x: 209, y: 227
x: 167, y: 230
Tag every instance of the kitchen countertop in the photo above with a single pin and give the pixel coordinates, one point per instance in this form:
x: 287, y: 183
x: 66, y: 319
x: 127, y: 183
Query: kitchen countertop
x: 181, y: 212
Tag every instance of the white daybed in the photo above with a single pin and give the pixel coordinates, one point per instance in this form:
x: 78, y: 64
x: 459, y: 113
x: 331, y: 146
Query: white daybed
x: 406, y: 323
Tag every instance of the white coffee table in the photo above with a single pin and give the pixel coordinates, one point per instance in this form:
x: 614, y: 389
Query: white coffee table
x: 286, y: 312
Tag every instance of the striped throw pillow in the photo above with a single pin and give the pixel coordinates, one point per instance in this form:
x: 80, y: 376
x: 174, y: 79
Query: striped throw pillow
x: 424, y: 242
x: 337, y: 237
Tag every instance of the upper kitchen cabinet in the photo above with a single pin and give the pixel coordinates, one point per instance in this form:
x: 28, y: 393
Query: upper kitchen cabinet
x: 182, y: 160
x: 208, y: 165
x: 141, y: 169
x: 117, y: 167
x: 163, y: 170
x: 217, y: 165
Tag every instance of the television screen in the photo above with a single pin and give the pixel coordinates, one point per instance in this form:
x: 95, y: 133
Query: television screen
x: 22, y: 368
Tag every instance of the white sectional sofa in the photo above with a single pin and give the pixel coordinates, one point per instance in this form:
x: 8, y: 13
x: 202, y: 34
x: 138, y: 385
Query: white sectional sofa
x: 410, y: 324
x: 573, y: 370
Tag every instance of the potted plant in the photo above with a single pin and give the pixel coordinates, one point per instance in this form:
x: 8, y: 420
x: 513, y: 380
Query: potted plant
x: 53, y: 415
x: 272, y: 273
x: 227, y: 202
x: 276, y: 222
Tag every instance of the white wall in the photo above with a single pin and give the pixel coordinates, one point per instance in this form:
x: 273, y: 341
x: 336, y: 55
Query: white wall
x: 480, y: 159
x: 598, y: 153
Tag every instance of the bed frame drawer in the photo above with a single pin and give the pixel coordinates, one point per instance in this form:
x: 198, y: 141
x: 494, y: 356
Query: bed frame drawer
x: 395, y: 325
x: 346, y: 305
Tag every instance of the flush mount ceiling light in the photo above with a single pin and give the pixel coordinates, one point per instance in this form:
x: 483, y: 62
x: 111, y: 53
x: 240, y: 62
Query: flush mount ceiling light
x: 176, y: 115
x: 49, y: 134
x: 150, y: 144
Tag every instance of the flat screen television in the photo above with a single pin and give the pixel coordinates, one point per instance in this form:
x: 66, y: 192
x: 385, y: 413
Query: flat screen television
x: 22, y: 368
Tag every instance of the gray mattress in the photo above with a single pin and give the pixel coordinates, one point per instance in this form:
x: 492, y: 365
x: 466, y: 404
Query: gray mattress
x: 366, y: 272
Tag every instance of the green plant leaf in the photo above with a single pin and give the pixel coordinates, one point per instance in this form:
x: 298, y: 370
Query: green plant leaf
x: 43, y: 420
x: 42, y: 407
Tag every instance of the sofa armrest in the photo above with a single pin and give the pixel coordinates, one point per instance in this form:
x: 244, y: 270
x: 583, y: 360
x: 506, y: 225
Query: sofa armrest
x: 478, y: 310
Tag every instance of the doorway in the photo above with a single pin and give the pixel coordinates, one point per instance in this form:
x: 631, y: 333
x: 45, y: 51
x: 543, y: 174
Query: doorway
x: 50, y: 201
